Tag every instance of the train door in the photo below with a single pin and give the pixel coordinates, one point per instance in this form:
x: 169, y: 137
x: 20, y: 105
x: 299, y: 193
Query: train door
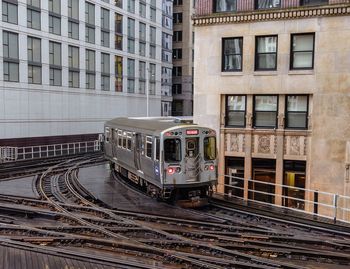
x: 192, y: 158
x: 137, y: 151
x: 156, y: 159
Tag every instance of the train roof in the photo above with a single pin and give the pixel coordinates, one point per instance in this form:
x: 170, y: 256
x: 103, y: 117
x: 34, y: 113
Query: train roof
x: 153, y: 124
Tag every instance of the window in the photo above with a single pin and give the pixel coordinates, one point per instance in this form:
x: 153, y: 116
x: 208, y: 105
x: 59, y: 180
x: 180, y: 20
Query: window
x: 266, y: 4
x: 177, y: 53
x: 104, y: 27
x: 172, y: 150
x: 153, y: 14
x: 177, y: 18
x: 90, y: 69
x: 73, y: 30
x: 225, y: 5
x: 89, y: 22
x: 149, y: 146
x: 142, y: 8
x: 152, y: 35
x: 73, y: 9
x: 128, y: 144
x: 131, y: 35
x: 131, y: 6
x: 313, y: 2
x: 235, y: 110
x: 34, y: 60
x: 105, y: 72
x: 152, y: 51
x: 55, y: 64
x: 177, y: 36
x: 118, y: 61
x: 142, y: 31
x: 177, y: 71
x: 265, y: 111
x: 302, y: 51
x: 131, y: 76
x: 177, y: 2
x: 209, y: 148
x: 177, y: 89
x: 118, y: 31
x: 73, y: 64
x: 118, y: 3
x: 152, y: 79
x: 55, y: 17
x: 297, y: 111
x: 266, y: 53
x: 120, y: 138
x: 157, y: 149
x: 9, y: 12
x: 142, y: 77
x: 232, y: 50
x: 142, y: 48
x: 10, y: 53
x: 33, y: 14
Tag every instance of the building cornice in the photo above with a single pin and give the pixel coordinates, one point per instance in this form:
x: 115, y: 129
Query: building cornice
x: 273, y: 15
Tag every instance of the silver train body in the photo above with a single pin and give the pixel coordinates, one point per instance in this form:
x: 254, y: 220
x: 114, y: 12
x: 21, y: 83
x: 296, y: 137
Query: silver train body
x: 169, y: 158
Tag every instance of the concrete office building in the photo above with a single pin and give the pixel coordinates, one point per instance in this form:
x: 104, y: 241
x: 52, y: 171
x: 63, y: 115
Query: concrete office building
x: 272, y: 77
x: 66, y: 66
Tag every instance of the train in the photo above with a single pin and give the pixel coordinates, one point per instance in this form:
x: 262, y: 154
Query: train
x: 169, y: 158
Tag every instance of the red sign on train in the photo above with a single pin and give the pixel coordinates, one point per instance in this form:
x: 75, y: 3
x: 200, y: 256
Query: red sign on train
x: 192, y: 132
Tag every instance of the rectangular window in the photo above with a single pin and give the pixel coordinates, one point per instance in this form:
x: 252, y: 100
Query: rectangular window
x: 33, y: 3
x: 73, y: 30
x: 177, y: 89
x: 142, y: 8
x: 131, y: 45
x: 232, y: 52
x: 131, y: 75
x: 89, y: 13
x: 235, y: 110
x: 152, y: 35
x: 118, y: 42
x: 73, y: 57
x: 34, y: 60
x: 177, y: 18
x: 118, y: 3
x: 302, y: 51
x: 152, y: 79
x: 55, y: 64
x: 172, y: 150
x: 142, y: 49
x: 142, y: 77
x: 152, y: 51
x: 55, y: 25
x: 209, y: 148
x: 119, y: 31
x: 177, y: 71
x: 313, y: 2
x: 9, y: 12
x: 10, y: 54
x: 131, y: 27
x: 131, y: 6
x: 177, y: 54
x: 149, y: 146
x: 267, y: 4
x: 153, y: 14
x: 73, y: 79
x: 73, y: 9
x: 118, y: 62
x: 34, y: 17
x: 142, y: 31
x: 90, y: 34
x: 105, y: 72
x: 105, y: 39
x: 177, y: 2
x: 297, y: 111
x: 266, y: 53
x: 177, y: 36
x: 55, y: 6
x: 90, y: 69
x: 104, y: 27
x: 225, y: 5
x: 265, y: 111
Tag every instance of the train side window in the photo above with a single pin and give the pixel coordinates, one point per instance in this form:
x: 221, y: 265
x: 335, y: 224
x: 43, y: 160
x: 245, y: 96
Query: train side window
x: 210, y: 148
x: 157, y: 149
x: 107, y: 134
x: 124, y: 140
x: 172, y: 150
x: 120, y: 138
x: 149, y: 146
x: 128, y: 136
x: 115, y: 136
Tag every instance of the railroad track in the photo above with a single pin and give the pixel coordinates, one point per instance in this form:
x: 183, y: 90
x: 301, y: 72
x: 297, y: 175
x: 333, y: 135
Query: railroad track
x: 81, y: 220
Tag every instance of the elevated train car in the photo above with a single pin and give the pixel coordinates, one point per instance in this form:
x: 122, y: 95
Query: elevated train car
x: 169, y: 158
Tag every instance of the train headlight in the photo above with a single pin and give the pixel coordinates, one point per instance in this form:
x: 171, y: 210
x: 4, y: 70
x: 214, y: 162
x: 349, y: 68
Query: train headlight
x: 171, y: 170
x: 211, y: 167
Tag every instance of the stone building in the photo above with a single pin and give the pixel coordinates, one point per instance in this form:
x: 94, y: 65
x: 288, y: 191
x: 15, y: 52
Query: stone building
x: 273, y: 78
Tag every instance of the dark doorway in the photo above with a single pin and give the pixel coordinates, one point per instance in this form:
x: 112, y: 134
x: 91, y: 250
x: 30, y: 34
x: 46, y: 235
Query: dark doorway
x: 234, y: 176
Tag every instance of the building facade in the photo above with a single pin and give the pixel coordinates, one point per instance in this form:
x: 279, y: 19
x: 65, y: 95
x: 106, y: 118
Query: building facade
x: 167, y: 45
x: 272, y: 77
x: 67, y: 66
x: 183, y: 38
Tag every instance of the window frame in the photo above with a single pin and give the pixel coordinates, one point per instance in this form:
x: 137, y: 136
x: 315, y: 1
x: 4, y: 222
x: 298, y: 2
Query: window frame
x: 302, y: 3
x: 306, y: 112
x: 148, y: 143
x: 257, y: 54
x: 291, y: 62
x: 227, y: 111
x: 254, y: 112
x: 223, y: 54
x: 256, y: 6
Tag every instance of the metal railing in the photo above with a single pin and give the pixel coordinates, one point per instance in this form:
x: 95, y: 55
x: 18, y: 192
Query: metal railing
x: 318, y: 203
x: 12, y: 154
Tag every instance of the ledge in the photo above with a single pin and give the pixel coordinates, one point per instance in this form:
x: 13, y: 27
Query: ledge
x: 227, y: 74
x: 301, y: 72
x: 273, y: 15
x: 265, y: 73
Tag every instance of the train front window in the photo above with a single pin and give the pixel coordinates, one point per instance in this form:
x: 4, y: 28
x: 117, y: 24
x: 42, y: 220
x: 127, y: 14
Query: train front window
x: 210, y: 148
x: 172, y: 150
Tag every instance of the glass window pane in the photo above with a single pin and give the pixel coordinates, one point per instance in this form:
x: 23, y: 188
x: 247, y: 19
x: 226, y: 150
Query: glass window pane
x: 296, y: 120
x: 266, y: 103
x: 267, y: 44
x: 265, y: 4
x: 302, y: 59
x: 297, y: 103
x: 235, y: 118
x: 172, y: 150
x: 236, y: 102
x: 265, y: 119
x: 225, y: 5
x: 266, y: 61
x: 233, y: 62
x: 209, y: 148
x: 303, y: 42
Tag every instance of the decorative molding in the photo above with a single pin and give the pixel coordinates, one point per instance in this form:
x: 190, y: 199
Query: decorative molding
x: 273, y: 15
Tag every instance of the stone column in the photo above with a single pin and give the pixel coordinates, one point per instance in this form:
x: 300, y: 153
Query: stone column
x: 280, y: 151
x: 221, y: 163
x: 248, y: 145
